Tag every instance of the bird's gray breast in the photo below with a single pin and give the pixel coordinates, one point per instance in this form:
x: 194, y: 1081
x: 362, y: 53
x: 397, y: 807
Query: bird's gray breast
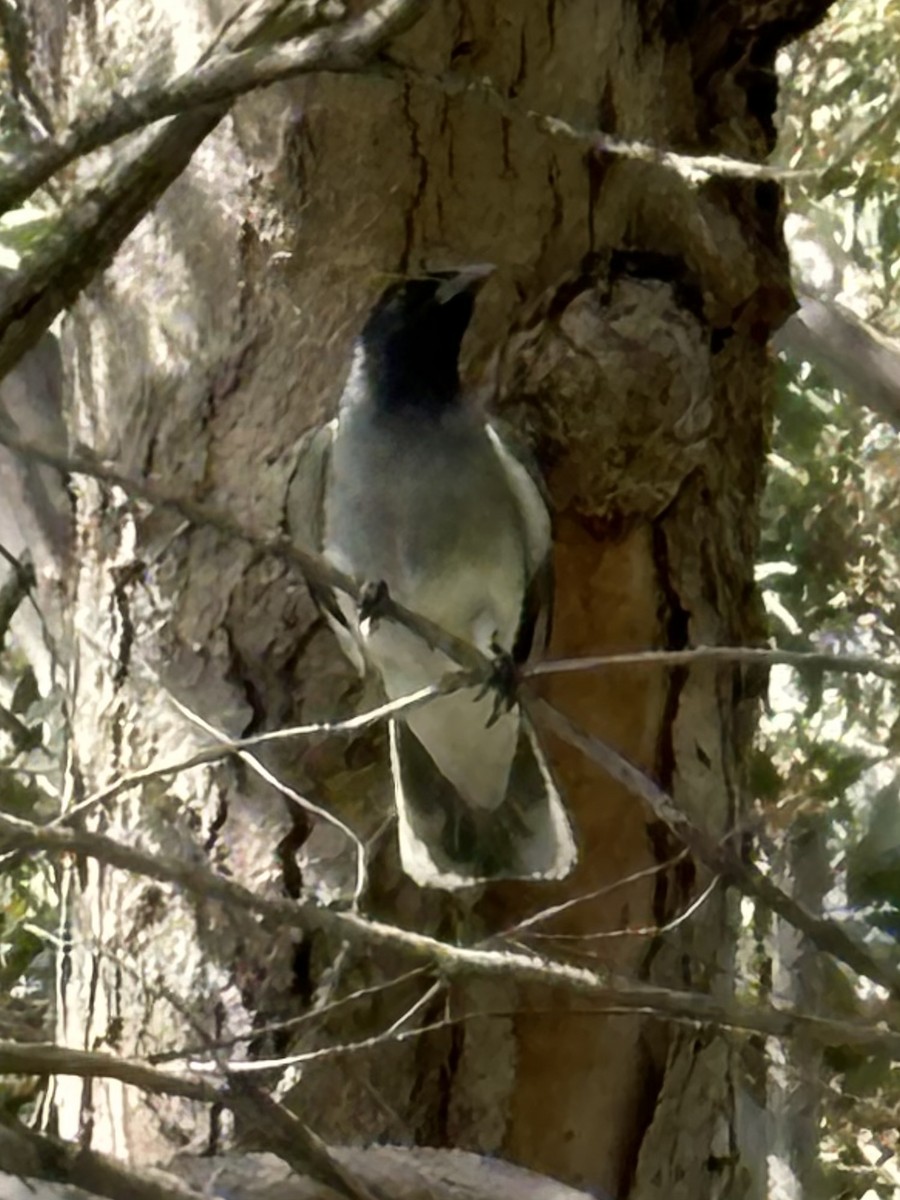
x: 427, y: 506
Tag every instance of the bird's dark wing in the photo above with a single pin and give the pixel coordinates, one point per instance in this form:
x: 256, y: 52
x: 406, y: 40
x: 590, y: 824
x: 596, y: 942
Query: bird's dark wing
x: 537, y: 614
x: 304, y: 508
x: 534, y: 507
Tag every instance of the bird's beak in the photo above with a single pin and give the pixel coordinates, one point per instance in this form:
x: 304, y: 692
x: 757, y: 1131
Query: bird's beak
x: 467, y: 279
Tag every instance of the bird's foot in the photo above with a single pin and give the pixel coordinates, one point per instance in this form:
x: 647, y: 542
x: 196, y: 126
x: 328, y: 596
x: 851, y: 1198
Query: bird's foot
x: 503, y: 681
x: 373, y: 597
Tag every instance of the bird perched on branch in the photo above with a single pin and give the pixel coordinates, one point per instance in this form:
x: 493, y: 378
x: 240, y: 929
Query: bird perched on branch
x: 409, y: 488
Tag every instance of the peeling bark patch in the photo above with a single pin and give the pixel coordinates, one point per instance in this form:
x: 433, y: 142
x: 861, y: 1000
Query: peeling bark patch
x: 621, y: 381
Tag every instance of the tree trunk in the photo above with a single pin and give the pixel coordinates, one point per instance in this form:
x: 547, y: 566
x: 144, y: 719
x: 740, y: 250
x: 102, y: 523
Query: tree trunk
x: 625, y: 333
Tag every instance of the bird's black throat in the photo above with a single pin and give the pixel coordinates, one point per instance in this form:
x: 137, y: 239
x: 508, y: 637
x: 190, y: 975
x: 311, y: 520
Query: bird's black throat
x: 410, y: 346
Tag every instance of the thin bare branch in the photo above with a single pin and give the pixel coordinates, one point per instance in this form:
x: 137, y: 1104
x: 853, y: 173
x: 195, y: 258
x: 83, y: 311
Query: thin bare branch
x: 229, y: 75
x: 845, y: 664
x: 318, y: 571
x: 452, y: 961
x: 721, y: 856
x: 635, y: 930
x: 45, y: 1058
x: 547, y: 914
x: 313, y: 568
x: 694, y: 168
x: 392, y: 1036
x: 41, y: 1156
x: 224, y: 749
x: 293, y: 1141
x: 14, y: 590
x: 292, y: 1023
x: 289, y: 793
x: 219, y: 77
x: 282, y: 1133
x: 92, y: 228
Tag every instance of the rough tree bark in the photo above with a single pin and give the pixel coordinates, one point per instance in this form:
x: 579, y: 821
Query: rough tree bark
x: 625, y: 333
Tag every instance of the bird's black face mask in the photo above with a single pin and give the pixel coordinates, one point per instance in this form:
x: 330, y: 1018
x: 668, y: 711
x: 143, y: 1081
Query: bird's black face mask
x: 412, y: 339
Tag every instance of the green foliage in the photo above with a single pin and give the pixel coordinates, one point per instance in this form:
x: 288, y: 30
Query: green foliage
x: 841, y: 111
x: 830, y: 555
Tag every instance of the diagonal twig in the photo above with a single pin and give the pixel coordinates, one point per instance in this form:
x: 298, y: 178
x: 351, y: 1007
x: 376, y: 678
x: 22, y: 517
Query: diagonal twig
x: 451, y: 961
x: 219, y: 78
x: 229, y: 746
x: 845, y: 664
x: 293, y: 1142
x: 89, y: 233
x: 313, y: 567
x: 14, y: 590
x: 42, y: 1156
x: 721, y: 856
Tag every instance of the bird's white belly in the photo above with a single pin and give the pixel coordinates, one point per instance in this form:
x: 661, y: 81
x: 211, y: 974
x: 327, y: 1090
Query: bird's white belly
x: 447, y: 539
x: 441, y: 530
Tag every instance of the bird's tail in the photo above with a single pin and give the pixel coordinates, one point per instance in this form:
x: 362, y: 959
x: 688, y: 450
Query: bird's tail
x: 448, y: 842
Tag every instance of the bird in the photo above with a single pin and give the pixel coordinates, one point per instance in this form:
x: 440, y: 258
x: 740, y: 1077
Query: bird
x: 410, y: 488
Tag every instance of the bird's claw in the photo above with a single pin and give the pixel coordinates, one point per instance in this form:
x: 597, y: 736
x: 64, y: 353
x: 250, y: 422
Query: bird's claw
x: 503, y: 681
x: 373, y: 597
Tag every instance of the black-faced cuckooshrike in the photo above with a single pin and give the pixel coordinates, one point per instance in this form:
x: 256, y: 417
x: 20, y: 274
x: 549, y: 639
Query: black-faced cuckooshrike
x: 410, y: 486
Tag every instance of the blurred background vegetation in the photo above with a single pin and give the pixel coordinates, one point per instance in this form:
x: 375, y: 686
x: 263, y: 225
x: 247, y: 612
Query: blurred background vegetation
x: 827, y: 773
